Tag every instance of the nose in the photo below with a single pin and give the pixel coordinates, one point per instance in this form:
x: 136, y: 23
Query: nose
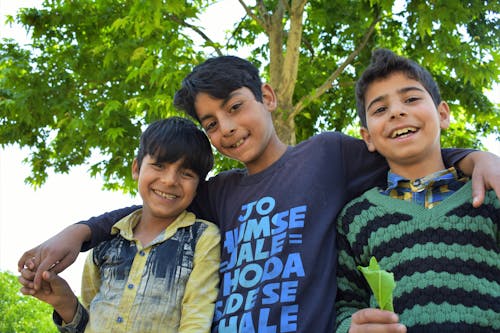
x: 398, y: 111
x: 227, y: 126
x: 169, y: 176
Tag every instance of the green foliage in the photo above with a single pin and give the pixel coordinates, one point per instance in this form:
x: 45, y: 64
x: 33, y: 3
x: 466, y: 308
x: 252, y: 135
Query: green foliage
x: 98, y: 71
x: 20, y: 313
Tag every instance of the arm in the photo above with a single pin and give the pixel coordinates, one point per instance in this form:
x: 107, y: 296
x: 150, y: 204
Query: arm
x: 61, y: 250
x: 353, y: 293
x: 59, y: 296
x: 198, y: 304
x: 90, y: 286
x: 484, y: 168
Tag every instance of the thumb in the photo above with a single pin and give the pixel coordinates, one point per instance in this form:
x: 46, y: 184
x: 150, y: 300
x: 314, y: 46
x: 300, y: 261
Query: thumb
x: 53, y: 280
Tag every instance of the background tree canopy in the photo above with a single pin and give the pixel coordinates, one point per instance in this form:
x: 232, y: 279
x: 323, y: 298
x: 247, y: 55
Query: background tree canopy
x: 98, y: 71
x: 20, y: 313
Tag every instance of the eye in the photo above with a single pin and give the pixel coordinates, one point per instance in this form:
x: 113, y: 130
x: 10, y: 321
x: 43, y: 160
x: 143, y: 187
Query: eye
x: 157, y: 165
x: 235, y: 107
x: 412, y: 99
x: 379, y: 109
x: 188, y: 173
x: 209, y: 126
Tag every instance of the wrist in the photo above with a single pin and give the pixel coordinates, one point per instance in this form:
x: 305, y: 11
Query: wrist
x: 67, y: 309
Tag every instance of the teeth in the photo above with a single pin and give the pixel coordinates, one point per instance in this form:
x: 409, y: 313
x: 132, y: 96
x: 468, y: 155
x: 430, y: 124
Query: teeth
x: 165, y: 195
x: 403, y: 131
x: 239, y: 143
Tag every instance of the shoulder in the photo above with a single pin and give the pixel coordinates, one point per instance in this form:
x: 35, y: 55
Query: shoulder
x: 226, y: 177
x: 206, y: 228
x: 358, y: 205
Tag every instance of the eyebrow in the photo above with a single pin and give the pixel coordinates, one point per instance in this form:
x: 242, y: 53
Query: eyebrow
x: 223, y: 104
x: 400, y: 91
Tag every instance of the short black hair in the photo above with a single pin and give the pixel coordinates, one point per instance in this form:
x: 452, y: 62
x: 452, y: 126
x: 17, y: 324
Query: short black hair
x: 175, y: 138
x: 218, y: 77
x: 384, y: 63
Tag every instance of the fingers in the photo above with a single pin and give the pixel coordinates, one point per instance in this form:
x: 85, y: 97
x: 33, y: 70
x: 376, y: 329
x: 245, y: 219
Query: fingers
x: 374, y: 316
x: 27, y: 284
x: 26, y: 257
x: 375, y: 320
x: 49, y: 263
x: 478, y: 189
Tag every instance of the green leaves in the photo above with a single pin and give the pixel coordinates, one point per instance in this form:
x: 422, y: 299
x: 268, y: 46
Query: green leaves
x: 20, y: 313
x: 381, y: 283
x: 97, y: 71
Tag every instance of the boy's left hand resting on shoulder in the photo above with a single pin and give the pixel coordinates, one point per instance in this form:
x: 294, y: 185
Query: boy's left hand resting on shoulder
x: 485, y: 170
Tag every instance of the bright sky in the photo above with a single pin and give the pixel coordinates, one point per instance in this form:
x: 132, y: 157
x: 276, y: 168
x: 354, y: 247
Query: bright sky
x: 28, y: 216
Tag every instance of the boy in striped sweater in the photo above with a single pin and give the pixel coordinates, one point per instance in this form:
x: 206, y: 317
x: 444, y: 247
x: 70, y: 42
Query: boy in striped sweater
x: 443, y: 252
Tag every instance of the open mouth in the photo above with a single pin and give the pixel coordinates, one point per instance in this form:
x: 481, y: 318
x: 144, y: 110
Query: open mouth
x: 238, y: 143
x: 165, y: 195
x: 403, y: 132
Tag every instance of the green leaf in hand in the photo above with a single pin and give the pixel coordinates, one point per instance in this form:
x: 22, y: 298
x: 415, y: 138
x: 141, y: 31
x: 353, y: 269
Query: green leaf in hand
x: 381, y: 283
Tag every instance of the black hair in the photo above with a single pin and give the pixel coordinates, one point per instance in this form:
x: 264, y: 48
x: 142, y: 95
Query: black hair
x: 218, y: 77
x: 384, y: 63
x: 175, y: 138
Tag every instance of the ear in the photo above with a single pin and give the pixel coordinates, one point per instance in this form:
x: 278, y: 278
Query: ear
x: 269, y: 97
x: 444, y: 115
x: 135, y: 169
x: 367, y: 138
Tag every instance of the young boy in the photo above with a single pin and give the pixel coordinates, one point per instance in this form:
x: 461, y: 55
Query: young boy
x: 276, y: 216
x: 159, y: 272
x: 444, y: 254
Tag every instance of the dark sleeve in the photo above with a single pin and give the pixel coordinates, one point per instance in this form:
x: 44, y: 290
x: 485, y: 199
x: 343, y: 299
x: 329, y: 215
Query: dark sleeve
x: 363, y: 169
x: 78, y: 324
x: 100, y: 226
x: 451, y: 156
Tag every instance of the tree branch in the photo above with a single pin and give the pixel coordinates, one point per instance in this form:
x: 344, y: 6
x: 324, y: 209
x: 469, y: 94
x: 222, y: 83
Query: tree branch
x: 304, y: 101
x: 199, y: 32
x: 263, y: 19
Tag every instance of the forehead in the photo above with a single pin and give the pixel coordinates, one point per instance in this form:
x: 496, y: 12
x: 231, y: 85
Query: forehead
x: 204, y: 102
x: 395, y: 83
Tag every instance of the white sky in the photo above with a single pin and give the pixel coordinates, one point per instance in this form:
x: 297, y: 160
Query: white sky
x: 28, y: 216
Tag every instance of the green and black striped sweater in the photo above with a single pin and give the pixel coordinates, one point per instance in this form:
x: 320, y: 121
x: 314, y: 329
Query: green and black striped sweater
x: 445, y: 260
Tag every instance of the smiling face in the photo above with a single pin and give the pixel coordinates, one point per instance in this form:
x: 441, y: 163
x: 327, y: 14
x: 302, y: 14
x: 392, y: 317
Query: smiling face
x: 166, y: 189
x: 242, y: 128
x: 404, y: 125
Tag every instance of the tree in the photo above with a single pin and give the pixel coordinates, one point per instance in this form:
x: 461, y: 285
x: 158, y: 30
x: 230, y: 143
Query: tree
x: 20, y: 313
x: 99, y: 70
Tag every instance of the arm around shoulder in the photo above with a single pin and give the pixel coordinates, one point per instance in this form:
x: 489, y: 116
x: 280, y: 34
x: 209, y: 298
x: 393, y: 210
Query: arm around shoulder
x: 484, y: 167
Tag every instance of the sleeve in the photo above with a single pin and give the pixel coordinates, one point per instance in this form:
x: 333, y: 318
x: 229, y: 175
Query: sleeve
x: 451, y: 156
x: 100, y: 226
x: 353, y: 293
x: 77, y: 325
x: 91, y: 280
x: 198, y: 304
x: 363, y: 169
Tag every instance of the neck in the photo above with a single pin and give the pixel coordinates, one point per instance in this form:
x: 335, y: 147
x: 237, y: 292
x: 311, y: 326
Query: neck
x: 273, y: 152
x: 416, y: 170
x: 149, y: 228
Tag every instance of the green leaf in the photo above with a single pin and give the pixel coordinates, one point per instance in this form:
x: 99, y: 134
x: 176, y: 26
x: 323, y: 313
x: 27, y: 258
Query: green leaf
x: 381, y: 283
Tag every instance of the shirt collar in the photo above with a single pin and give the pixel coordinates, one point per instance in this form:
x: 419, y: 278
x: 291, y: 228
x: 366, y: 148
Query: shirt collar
x: 125, y: 227
x: 394, y: 180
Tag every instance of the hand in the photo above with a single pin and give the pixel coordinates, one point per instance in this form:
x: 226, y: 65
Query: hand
x: 58, y: 294
x: 485, y: 170
x: 485, y: 176
x: 375, y: 320
x: 55, y: 254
